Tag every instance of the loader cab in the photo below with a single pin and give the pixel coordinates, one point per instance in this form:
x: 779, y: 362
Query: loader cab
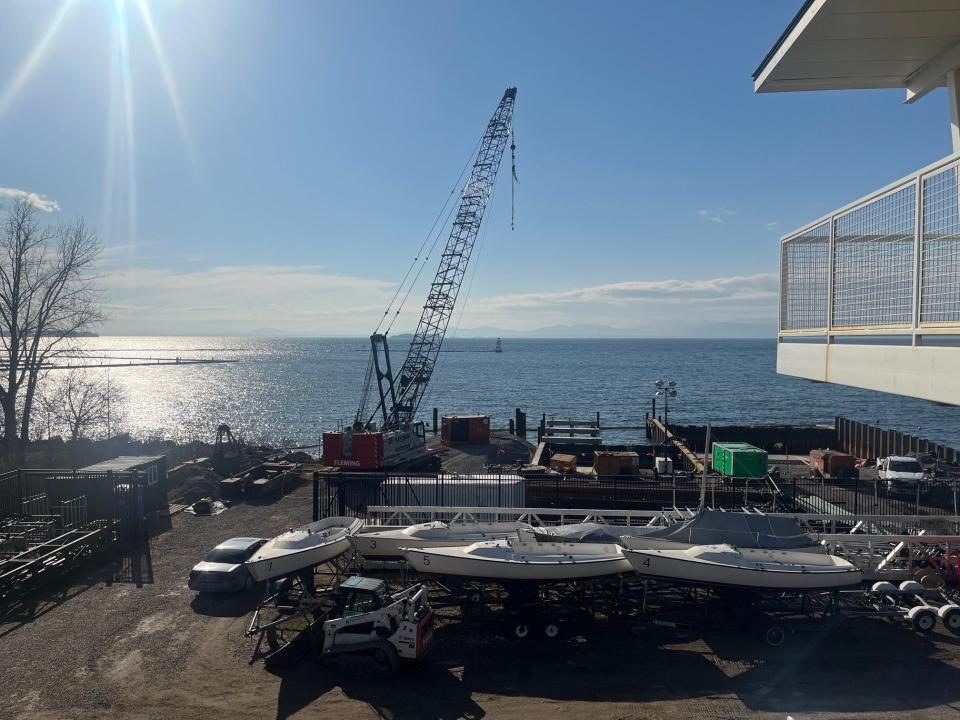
x: 359, y: 595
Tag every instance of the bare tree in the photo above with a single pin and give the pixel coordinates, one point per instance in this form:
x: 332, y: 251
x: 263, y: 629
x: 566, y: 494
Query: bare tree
x: 48, y: 294
x: 80, y: 404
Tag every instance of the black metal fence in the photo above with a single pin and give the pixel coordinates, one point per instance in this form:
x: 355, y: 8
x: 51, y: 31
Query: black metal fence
x: 869, y: 497
x: 352, y: 494
x: 74, y: 498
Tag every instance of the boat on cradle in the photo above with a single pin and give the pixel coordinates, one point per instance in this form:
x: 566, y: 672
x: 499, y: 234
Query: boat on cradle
x: 739, y: 529
x: 521, y: 559
x: 746, y: 568
x: 386, y: 544
x: 591, y: 532
x: 303, y: 547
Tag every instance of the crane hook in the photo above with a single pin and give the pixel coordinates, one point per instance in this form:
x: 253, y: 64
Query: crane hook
x: 513, y: 173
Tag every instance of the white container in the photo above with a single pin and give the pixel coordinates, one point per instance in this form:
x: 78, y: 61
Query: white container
x: 664, y: 465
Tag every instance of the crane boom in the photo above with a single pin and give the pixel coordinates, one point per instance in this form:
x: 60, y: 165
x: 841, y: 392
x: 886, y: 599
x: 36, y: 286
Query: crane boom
x: 400, y: 396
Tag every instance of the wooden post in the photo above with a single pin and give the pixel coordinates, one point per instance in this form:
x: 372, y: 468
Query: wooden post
x: 316, y: 495
x: 434, y: 421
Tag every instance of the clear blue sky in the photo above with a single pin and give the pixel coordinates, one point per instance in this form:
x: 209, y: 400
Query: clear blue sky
x: 275, y: 165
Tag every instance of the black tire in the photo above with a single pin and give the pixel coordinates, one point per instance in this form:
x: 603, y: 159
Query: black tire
x: 551, y: 630
x: 774, y: 636
x: 386, y: 657
x: 521, y: 630
x: 924, y: 622
x: 951, y: 620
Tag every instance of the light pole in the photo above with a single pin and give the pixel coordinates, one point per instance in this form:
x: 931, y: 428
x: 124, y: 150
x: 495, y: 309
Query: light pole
x: 666, y: 390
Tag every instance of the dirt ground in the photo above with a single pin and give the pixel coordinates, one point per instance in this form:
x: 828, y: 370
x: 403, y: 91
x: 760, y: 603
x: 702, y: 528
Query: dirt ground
x: 131, y: 641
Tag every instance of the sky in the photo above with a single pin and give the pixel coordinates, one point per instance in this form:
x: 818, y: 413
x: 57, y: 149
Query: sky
x: 272, y: 167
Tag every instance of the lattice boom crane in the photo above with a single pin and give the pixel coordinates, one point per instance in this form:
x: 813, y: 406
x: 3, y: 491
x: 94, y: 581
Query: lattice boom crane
x: 400, y: 394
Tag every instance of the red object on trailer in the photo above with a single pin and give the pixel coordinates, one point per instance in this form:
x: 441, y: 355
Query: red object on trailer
x: 831, y: 463
x: 363, y: 451
x: 465, y: 430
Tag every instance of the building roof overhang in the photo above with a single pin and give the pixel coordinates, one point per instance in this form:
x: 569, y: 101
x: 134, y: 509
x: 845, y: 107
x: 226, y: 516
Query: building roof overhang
x: 863, y: 44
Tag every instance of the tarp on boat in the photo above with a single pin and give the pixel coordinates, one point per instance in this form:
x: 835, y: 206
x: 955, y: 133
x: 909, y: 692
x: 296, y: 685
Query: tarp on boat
x: 747, y: 530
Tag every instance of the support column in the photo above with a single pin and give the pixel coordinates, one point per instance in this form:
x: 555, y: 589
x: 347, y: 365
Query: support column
x: 953, y: 91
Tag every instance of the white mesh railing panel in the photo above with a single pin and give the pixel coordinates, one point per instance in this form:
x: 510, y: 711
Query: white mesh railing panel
x: 804, y: 280
x: 873, y: 262
x: 940, y: 253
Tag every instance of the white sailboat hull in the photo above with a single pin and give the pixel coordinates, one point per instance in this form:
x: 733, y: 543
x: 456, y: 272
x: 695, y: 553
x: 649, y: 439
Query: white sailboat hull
x: 722, y: 565
x: 504, y: 560
x: 302, y: 548
x: 386, y: 544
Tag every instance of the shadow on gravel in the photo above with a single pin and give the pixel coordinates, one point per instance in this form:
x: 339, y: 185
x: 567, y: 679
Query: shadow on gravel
x: 42, y: 602
x: 234, y: 604
x: 869, y: 667
x: 422, y: 691
x: 132, y: 566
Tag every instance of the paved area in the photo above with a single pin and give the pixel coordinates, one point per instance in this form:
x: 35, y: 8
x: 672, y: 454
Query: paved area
x: 112, y: 649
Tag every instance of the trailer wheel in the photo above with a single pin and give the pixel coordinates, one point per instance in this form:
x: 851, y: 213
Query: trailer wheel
x: 951, y: 619
x: 551, y: 630
x: 923, y: 620
x: 475, y: 597
x: 521, y: 630
x: 774, y: 636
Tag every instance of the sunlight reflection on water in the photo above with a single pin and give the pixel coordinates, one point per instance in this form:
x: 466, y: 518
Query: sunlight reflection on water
x: 290, y: 390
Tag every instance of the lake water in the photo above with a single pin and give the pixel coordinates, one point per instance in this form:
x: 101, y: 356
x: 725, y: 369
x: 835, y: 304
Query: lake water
x: 289, y: 390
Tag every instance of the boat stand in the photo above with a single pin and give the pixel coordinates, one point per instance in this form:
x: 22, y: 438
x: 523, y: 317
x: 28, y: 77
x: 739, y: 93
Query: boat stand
x: 292, y: 606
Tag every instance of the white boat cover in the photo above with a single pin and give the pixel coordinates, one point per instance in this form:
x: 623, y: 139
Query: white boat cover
x: 739, y: 529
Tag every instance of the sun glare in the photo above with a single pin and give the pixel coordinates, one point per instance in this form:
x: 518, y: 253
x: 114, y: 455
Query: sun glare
x: 35, y: 58
x: 120, y: 195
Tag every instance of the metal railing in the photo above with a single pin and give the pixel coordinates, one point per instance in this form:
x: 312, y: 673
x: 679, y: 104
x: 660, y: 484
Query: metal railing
x: 887, y: 264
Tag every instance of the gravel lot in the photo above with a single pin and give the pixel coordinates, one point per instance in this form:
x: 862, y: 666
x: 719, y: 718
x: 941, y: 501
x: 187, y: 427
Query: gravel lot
x: 111, y: 649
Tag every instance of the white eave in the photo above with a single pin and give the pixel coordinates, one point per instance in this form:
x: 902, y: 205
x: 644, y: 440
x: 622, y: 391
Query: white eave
x: 865, y: 44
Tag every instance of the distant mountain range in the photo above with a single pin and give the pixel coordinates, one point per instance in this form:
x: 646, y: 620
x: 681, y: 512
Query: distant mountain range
x: 654, y: 329
x: 719, y: 329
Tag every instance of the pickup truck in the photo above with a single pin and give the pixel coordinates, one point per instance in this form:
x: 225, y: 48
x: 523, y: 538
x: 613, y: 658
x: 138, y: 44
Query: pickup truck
x: 901, y: 473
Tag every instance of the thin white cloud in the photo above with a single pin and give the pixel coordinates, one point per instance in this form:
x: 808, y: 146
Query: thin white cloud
x: 309, y: 300
x: 772, y: 225
x: 665, y: 307
x: 40, y: 202
x: 241, y: 299
x: 715, y: 216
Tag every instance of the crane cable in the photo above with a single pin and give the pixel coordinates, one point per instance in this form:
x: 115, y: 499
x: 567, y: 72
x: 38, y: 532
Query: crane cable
x: 429, y: 394
x: 423, y: 264
x: 457, y: 185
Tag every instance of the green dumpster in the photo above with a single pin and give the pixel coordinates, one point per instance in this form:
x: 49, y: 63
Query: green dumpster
x: 735, y: 459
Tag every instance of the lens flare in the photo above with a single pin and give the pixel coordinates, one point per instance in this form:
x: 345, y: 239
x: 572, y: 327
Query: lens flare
x: 120, y: 177
x: 168, y: 79
x: 34, y: 58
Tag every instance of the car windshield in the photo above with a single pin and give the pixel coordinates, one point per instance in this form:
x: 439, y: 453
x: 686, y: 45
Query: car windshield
x: 223, y: 555
x: 909, y: 466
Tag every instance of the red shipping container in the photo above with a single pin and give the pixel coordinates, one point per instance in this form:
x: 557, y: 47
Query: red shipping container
x: 365, y: 452
x: 465, y: 430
